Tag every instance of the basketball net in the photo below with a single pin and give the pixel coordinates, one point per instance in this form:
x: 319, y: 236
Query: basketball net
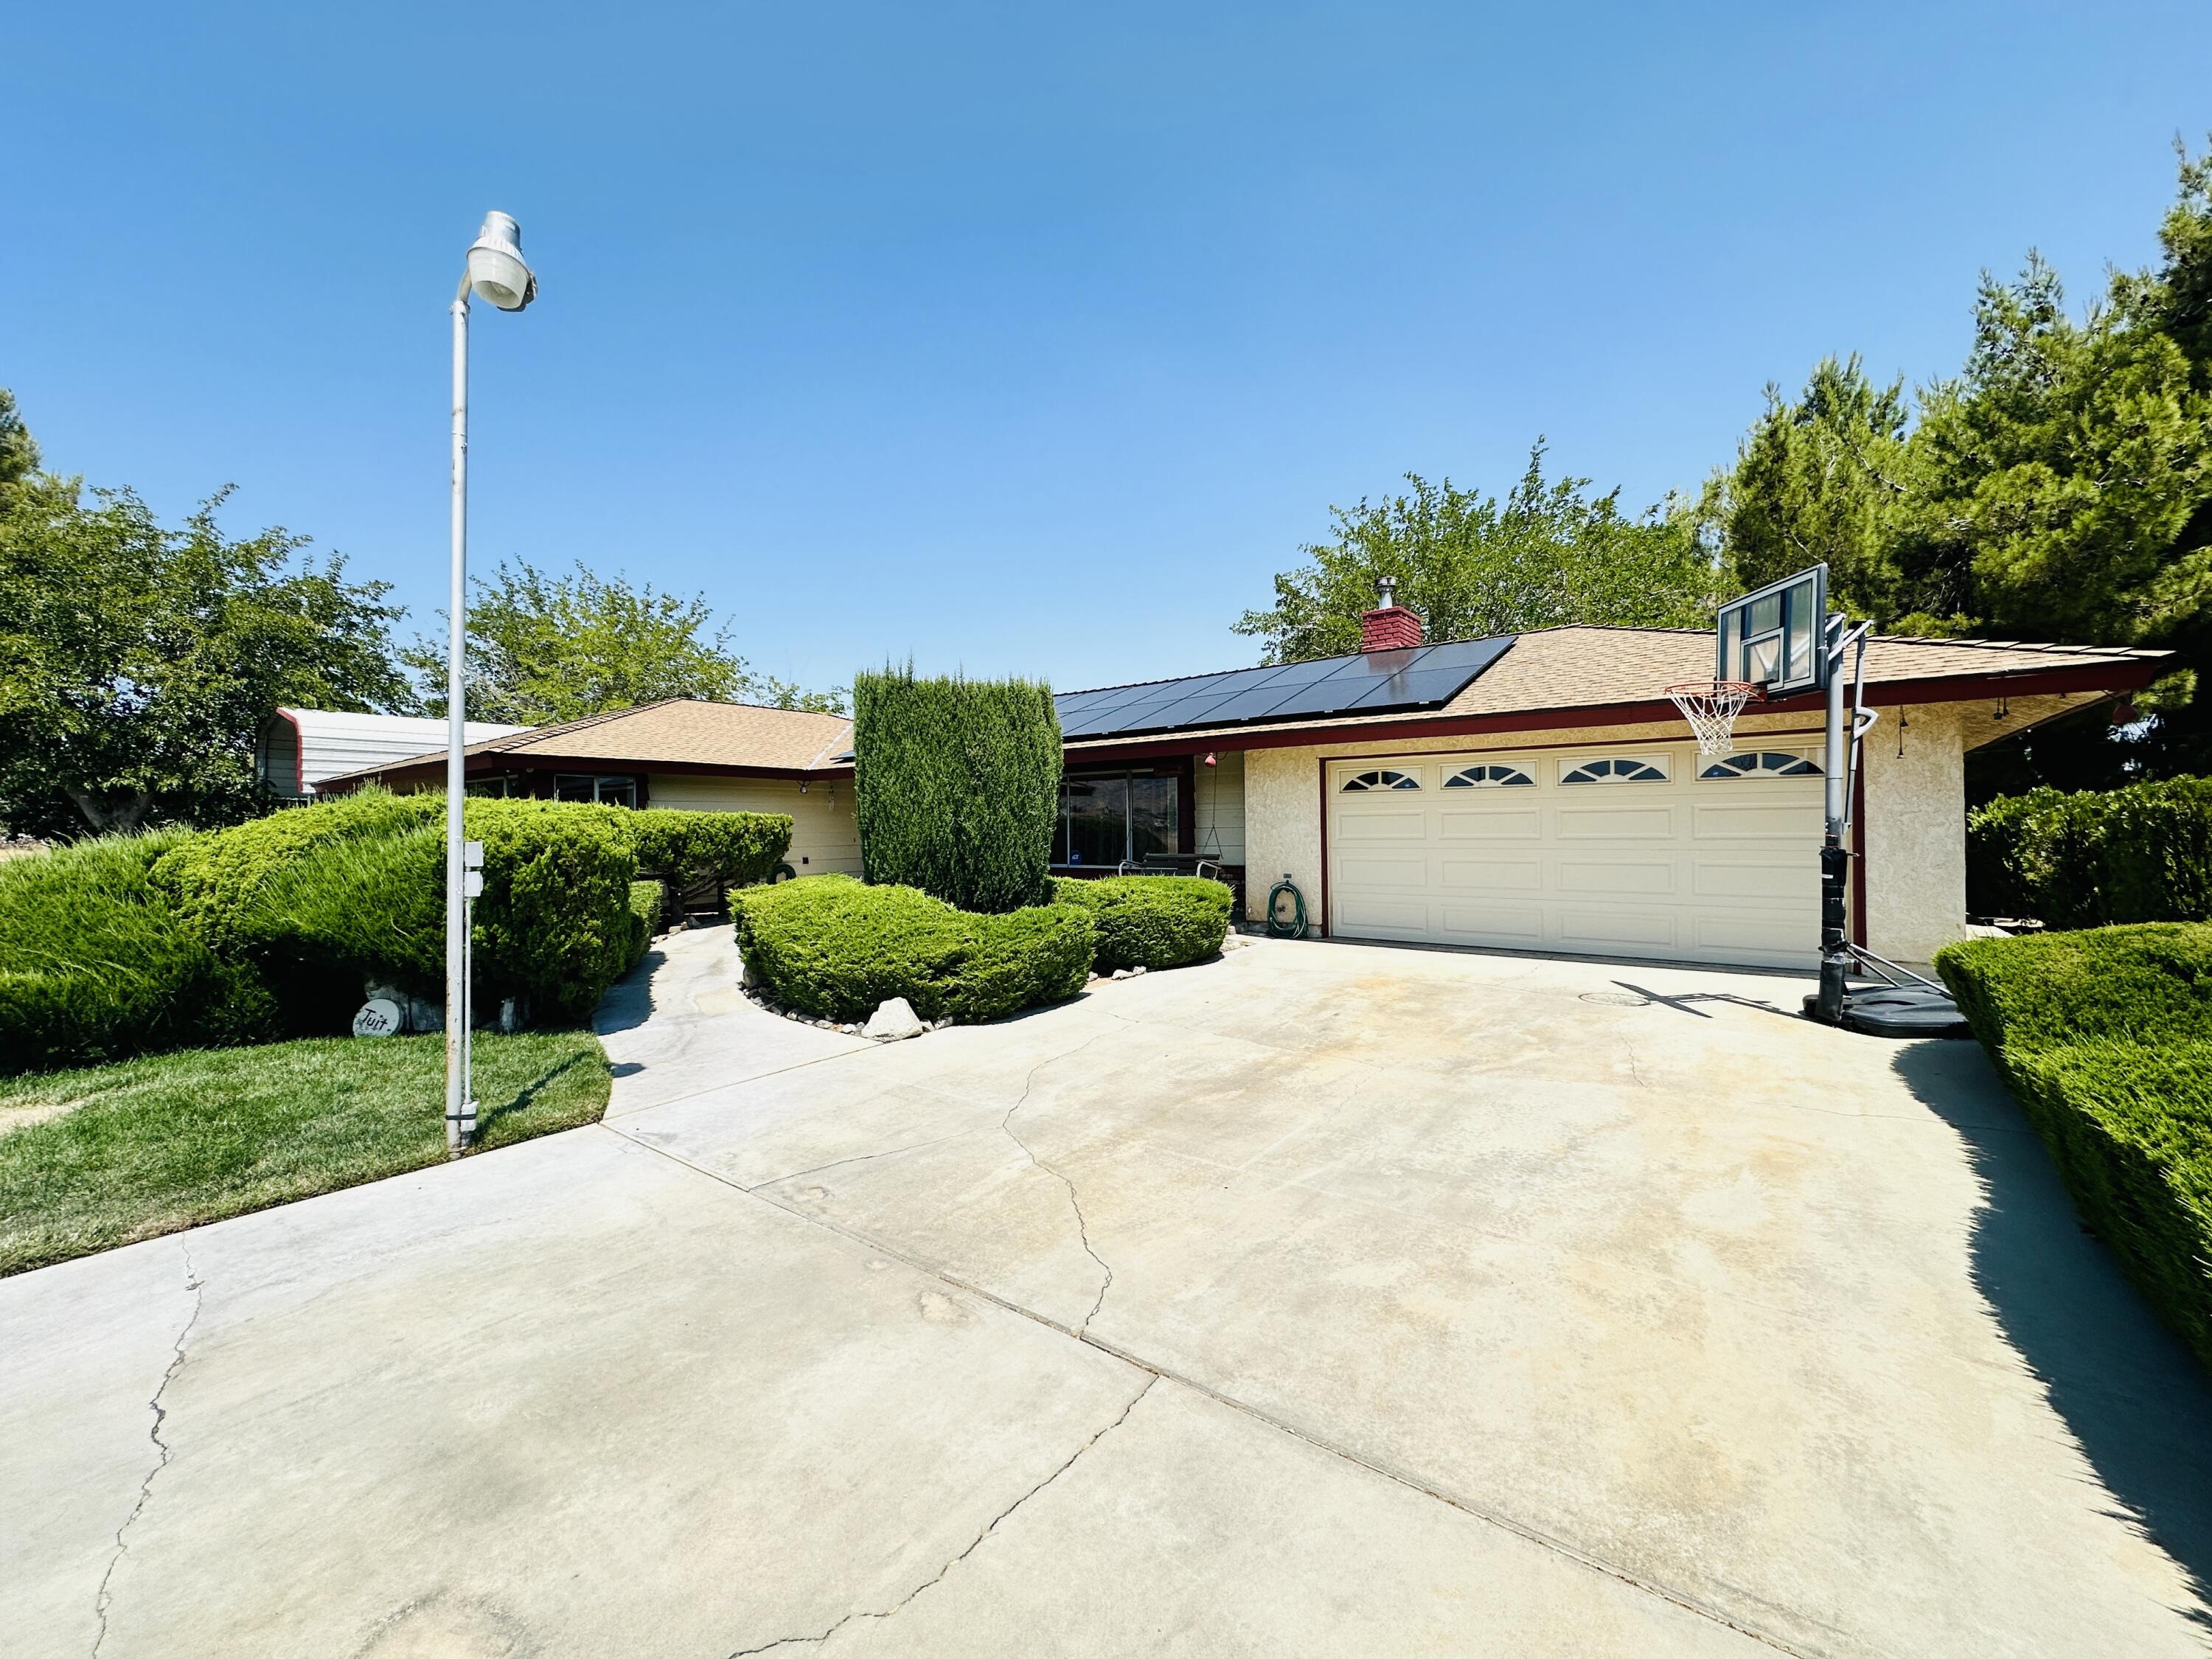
x: 1710, y: 707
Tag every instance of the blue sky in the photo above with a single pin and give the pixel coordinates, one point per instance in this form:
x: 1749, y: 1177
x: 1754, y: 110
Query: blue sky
x: 1018, y: 338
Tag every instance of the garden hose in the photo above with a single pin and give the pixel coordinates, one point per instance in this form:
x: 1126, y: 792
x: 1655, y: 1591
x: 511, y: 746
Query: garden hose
x: 1277, y: 927
x: 782, y: 872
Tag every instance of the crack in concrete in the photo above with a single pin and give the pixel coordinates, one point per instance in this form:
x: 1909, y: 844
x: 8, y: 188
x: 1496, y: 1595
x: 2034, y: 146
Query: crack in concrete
x: 974, y: 1544
x: 1075, y: 1199
x: 863, y: 1157
x: 1401, y: 1476
x: 104, y: 1598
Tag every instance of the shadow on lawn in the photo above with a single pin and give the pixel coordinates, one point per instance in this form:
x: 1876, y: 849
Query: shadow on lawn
x: 487, y: 1121
x: 2134, y: 1396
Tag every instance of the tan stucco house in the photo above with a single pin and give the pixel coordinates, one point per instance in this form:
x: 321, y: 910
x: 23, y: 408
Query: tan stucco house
x: 1554, y: 801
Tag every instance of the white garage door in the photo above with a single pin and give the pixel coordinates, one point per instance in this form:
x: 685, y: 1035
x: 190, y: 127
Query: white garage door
x: 1655, y: 852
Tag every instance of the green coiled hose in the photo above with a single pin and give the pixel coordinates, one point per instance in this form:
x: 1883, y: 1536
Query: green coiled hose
x: 1278, y: 926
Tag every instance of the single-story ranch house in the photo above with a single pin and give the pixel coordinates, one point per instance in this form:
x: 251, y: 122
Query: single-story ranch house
x: 1533, y: 791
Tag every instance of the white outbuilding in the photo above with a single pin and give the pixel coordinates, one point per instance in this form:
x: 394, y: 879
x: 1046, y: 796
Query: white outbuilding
x: 300, y: 747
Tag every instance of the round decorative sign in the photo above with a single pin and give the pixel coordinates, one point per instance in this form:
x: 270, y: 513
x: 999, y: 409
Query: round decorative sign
x: 379, y: 1017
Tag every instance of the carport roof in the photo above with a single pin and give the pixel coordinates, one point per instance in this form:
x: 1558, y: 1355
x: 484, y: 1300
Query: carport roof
x: 1591, y: 674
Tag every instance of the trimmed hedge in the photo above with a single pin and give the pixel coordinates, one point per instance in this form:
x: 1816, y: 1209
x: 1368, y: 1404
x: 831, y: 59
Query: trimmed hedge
x: 2095, y: 858
x: 134, y: 944
x: 1149, y: 921
x: 214, y: 880
x: 646, y: 898
x: 957, y: 786
x: 95, y: 966
x: 740, y: 848
x: 2151, y: 981
x: 836, y: 948
x: 2106, y: 1036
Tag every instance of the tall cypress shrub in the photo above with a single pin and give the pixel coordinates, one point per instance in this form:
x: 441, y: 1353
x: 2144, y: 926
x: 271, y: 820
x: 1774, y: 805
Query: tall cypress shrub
x: 958, y: 786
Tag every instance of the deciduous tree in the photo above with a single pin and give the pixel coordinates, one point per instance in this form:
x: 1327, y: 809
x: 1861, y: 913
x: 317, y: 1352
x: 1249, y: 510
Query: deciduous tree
x: 547, y: 648
x: 137, y: 661
x: 1472, y: 564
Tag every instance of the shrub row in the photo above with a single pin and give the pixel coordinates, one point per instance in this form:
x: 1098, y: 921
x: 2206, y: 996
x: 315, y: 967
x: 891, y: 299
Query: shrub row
x: 739, y: 849
x: 2106, y: 1036
x: 836, y: 948
x: 2095, y: 858
x: 957, y: 786
x: 645, y: 899
x: 94, y: 965
x: 135, y: 945
x: 1149, y: 921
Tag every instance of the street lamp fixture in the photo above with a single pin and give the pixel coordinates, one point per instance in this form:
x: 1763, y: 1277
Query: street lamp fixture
x: 497, y: 273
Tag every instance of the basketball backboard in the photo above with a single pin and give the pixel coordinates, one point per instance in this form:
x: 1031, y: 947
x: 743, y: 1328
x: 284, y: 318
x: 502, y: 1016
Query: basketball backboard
x: 1772, y: 638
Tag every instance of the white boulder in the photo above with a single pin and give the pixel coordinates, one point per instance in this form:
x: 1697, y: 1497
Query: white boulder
x: 892, y: 1020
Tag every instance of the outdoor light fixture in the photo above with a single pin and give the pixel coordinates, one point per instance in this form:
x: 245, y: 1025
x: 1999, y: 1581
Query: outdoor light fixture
x: 495, y: 270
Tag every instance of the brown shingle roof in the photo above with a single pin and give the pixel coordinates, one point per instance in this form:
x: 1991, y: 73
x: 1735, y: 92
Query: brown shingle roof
x: 1594, y: 667
x: 677, y: 733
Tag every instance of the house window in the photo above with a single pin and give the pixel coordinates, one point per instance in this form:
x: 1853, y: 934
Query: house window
x: 1616, y: 768
x: 608, y: 790
x: 1379, y: 780
x: 1108, y: 818
x: 1766, y: 763
x: 1487, y: 777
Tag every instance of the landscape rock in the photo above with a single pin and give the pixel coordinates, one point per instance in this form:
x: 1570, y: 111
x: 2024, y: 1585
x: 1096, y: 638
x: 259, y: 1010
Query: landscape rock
x: 893, y: 1020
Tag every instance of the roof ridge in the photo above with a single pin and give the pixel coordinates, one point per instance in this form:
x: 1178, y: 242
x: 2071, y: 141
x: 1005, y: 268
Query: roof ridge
x: 843, y: 736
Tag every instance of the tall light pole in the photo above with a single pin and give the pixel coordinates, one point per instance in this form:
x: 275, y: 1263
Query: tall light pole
x: 496, y: 271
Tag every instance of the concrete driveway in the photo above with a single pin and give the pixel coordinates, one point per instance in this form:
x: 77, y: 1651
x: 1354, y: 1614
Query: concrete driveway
x: 1325, y: 1299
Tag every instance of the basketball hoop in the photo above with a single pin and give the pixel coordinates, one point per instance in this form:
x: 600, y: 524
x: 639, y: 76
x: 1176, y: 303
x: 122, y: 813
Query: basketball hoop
x: 1710, y: 707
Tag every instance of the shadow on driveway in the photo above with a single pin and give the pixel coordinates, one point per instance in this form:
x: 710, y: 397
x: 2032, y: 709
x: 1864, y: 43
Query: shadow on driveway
x: 2133, y: 1395
x: 627, y: 1003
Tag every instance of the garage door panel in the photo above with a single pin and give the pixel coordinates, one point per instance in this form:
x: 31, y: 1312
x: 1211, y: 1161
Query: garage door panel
x: 1617, y: 927
x: 1403, y: 873
x: 1514, y: 926
x: 1754, y: 819
x: 1648, y: 877
x: 1385, y: 918
x: 1758, y: 934
x: 1522, y: 875
x: 1519, y: 824
x: 1756, y: 879
x: 1653, y: 822
x: 1373, y: 825
x: 1718, y: 870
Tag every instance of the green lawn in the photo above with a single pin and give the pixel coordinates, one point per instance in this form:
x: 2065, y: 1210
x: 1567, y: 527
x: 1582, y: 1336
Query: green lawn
x: 111, y: 1154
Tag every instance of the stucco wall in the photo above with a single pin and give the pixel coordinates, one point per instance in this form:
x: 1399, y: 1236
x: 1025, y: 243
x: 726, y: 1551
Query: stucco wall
x: 824, y: 838
x: 1914, y: 834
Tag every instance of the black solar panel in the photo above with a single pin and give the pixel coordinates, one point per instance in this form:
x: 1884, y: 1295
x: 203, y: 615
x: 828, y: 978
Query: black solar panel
x: 1420, y: 676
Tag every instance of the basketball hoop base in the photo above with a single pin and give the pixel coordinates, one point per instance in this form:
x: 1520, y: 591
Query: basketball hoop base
x: 1711, y: 707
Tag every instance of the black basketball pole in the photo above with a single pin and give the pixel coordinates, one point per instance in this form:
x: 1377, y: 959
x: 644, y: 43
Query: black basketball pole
x: 1840, y: 761
x: 1835, y: 858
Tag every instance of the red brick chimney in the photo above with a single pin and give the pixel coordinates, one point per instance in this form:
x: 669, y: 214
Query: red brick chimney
x: 1390, y: 626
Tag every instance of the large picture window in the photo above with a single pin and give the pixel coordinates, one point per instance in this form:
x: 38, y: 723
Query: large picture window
x: 1107, y: 817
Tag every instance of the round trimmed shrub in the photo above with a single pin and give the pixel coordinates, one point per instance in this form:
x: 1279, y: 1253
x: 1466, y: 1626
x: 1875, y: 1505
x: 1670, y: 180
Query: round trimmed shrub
x: 836, y: 948
x: 1151, y: 921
